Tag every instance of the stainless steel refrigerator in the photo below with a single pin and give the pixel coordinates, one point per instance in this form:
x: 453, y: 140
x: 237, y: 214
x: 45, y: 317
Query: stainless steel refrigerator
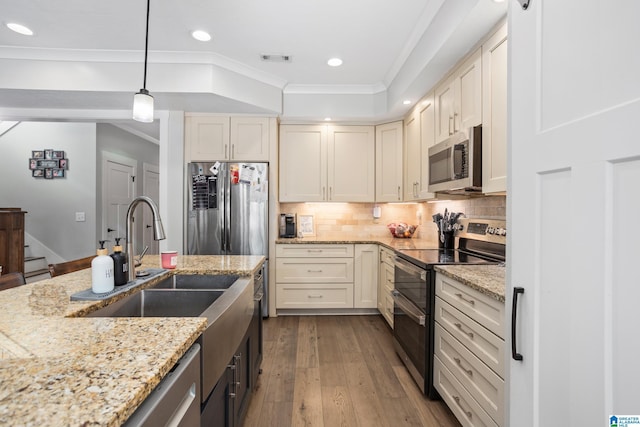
x: 228, y: 211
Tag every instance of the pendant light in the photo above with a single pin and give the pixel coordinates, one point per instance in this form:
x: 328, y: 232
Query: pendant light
x: 142, y: 101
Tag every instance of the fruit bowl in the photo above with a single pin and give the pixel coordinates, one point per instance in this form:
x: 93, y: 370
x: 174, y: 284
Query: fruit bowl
x: 402, y: 229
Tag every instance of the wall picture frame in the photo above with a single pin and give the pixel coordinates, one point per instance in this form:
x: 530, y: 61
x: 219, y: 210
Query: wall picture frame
x: 37, y: 154
x: 48, y: 154
x: 306, y: 225
x: 48, y: 163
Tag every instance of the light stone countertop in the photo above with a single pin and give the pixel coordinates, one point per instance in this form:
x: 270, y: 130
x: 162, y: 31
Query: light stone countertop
x: 59, y: 368
x: 394, y: 243
x: 487, y: 279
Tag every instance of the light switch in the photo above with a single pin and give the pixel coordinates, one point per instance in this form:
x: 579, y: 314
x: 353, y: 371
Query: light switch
x: 80, y: 217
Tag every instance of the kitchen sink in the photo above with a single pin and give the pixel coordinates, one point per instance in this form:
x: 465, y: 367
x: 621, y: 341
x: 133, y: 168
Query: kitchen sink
x: 161, y: 303
x: 197, y: 281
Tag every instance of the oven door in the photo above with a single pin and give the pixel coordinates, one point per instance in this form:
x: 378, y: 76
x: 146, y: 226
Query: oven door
x: 411, y: 318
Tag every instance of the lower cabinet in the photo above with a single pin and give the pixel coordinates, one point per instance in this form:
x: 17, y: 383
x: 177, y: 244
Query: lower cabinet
x: 386, y: 284
x: 228, y: 403
x: 468, y: 369
x: 326, y: 276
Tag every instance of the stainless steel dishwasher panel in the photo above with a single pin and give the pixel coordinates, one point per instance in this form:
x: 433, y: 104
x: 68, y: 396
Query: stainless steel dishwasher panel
x: 176, y: 400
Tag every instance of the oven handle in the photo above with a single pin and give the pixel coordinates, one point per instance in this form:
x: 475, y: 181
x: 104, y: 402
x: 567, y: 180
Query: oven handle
x: 410, y: 268
x: 406, y: 306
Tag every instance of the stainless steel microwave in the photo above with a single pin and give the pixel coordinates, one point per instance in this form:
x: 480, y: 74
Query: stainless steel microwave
x: 455, y: 164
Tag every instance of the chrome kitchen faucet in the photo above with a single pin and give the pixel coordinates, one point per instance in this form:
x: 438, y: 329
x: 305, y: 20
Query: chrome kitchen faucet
x: 158, y: 231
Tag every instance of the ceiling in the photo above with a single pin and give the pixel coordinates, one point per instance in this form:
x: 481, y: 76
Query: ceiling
x: 89, y: 54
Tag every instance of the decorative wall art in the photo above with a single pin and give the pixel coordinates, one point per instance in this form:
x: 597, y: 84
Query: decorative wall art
x: 48, y: 164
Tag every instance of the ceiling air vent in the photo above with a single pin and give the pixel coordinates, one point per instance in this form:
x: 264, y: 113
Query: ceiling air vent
x: 275, y: 58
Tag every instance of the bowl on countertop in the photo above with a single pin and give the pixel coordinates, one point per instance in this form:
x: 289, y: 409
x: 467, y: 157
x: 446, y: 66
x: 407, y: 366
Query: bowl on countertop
x: 402, y: 229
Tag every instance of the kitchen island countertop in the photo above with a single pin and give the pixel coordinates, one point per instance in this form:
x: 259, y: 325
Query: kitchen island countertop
x: 59, y: 368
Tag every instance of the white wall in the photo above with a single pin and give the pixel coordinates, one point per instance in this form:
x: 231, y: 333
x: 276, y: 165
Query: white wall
x: 51, y: 204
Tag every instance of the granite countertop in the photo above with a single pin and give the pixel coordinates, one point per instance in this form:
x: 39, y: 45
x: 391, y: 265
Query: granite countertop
x: 394, y: 243
x: 487, y: 279
x: 58, y: 368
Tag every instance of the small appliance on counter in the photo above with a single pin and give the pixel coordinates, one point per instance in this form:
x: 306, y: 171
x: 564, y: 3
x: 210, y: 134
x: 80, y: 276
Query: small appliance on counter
x: 288, y: 225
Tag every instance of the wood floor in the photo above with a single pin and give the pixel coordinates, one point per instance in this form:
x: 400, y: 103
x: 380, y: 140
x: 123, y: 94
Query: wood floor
x: 329, y: 371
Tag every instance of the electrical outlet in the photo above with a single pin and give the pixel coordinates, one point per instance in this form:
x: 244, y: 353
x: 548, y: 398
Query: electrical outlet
x: 80, y: 217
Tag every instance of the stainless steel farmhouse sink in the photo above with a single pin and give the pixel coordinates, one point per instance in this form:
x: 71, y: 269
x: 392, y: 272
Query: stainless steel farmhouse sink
x: 225, y: 300
x: 161, y: 303
x: 197, y: 281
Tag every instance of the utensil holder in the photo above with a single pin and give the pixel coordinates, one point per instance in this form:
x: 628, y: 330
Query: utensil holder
x: 449, y: 241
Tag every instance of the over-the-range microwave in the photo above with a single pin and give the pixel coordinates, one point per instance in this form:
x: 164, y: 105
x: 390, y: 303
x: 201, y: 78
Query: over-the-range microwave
x: 455, y: 164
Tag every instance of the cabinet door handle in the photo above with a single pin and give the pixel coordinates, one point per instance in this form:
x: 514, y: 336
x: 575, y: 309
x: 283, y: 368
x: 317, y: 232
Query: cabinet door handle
x: 459, y: 363
x: 398, y: 192
x: 468, y: 301
x: 514, y: 310
x: 455, y: 116
x: 314, y: 250
x: 450, y: 120
x: 314, y: 271
x: 330, y: 197
x: 225, y: 151
x: 323, y: 193
x: 459, y: 326
x: 467, y: 413
x: 233, y: 151
x: 314, y: 296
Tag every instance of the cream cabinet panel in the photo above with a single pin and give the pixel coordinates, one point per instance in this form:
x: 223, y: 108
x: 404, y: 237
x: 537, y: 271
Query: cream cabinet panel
x: 305, y: 296
x: 310, y: 270
x: 458, y: 100
x: 206, y: 138
x: 303, y: 163
x: 412, y: 159
x: 494, y: 112
x: 427, y: 139
x: 365, y: 286
x: 249, y: 139
x: 389, y: 140
x: 351, y: 164
x: 314, y: 251
x: 386, y: 284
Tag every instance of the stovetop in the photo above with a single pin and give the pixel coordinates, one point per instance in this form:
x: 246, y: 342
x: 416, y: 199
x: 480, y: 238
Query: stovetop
x: 425, y: 257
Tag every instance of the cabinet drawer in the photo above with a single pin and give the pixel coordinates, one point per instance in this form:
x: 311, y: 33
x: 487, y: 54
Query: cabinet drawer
x: 387, y: 256
x: 323, y: 270
x: 480, y: 341
x: 388, y: 308
x: 481, y: 382
x: 388, y: 277
x: 481, y: 308
x: 309, y: 296
x: 314, y: 251
x: 464, y: 407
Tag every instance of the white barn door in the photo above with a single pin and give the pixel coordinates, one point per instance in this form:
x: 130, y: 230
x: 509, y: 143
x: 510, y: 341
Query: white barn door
x: 573, y: 199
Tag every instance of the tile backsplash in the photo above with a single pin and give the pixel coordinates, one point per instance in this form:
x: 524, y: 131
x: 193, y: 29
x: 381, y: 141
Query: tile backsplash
x: 356, y: 219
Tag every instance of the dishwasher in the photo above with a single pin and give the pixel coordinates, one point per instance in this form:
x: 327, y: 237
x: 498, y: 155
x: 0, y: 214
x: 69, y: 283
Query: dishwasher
x: 176, y: 399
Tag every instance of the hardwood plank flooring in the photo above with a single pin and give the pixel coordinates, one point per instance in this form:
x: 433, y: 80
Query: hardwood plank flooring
x: 337, y: 371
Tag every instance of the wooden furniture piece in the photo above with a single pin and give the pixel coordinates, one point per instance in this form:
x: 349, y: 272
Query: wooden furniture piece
x: 12, y: 240
x: 11, y: 280
x: 70, y: 266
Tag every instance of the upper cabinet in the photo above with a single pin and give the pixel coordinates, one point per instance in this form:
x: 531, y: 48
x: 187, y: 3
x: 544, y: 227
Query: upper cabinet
x: 419, y: 136
x: 458, y: 100
x: 389, y: 162
x: 494, y: 111
x: 226, y: 138
x: 321, y: 163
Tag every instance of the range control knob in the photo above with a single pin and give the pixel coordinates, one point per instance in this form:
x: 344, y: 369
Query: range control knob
x: 491, y: 230
x: 503, y: 231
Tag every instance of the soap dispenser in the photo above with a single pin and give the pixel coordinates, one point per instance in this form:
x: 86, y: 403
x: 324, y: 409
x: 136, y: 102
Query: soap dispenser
x: 120, y: 266
x: 102, y: 271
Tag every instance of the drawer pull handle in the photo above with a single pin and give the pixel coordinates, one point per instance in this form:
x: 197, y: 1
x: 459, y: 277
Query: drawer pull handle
x: 314, y: 271
x: 314, y: 296
x: 459, y: 363
x: 467, y: 413
x: 470, y: 301
x: 459, y: 326
x: 314, y: 250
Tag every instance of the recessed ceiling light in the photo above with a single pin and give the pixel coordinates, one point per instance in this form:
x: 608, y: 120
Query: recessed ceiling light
x: 21, y: 29
x: 334, y: 62
x: 406, y: 102
x: 203, y: 36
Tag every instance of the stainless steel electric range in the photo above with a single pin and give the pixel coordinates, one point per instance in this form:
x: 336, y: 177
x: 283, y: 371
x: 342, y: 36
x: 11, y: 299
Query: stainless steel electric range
x: 480, y: 241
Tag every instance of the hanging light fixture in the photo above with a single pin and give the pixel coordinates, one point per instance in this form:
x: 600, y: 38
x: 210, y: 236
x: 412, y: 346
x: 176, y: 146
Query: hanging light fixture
x: 142, y: 101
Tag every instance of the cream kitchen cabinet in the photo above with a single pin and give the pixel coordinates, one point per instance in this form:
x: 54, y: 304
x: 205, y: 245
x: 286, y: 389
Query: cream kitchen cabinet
x: 458, y: 100
x: 327, y: 163
x: 365, y: 281
x: 494, y: 112
x: 386, y: 284
x: 310, y: 276
x: 389, y: 140
x: 419, y: 136
x: 210, y: 138
x: 469, y: 352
